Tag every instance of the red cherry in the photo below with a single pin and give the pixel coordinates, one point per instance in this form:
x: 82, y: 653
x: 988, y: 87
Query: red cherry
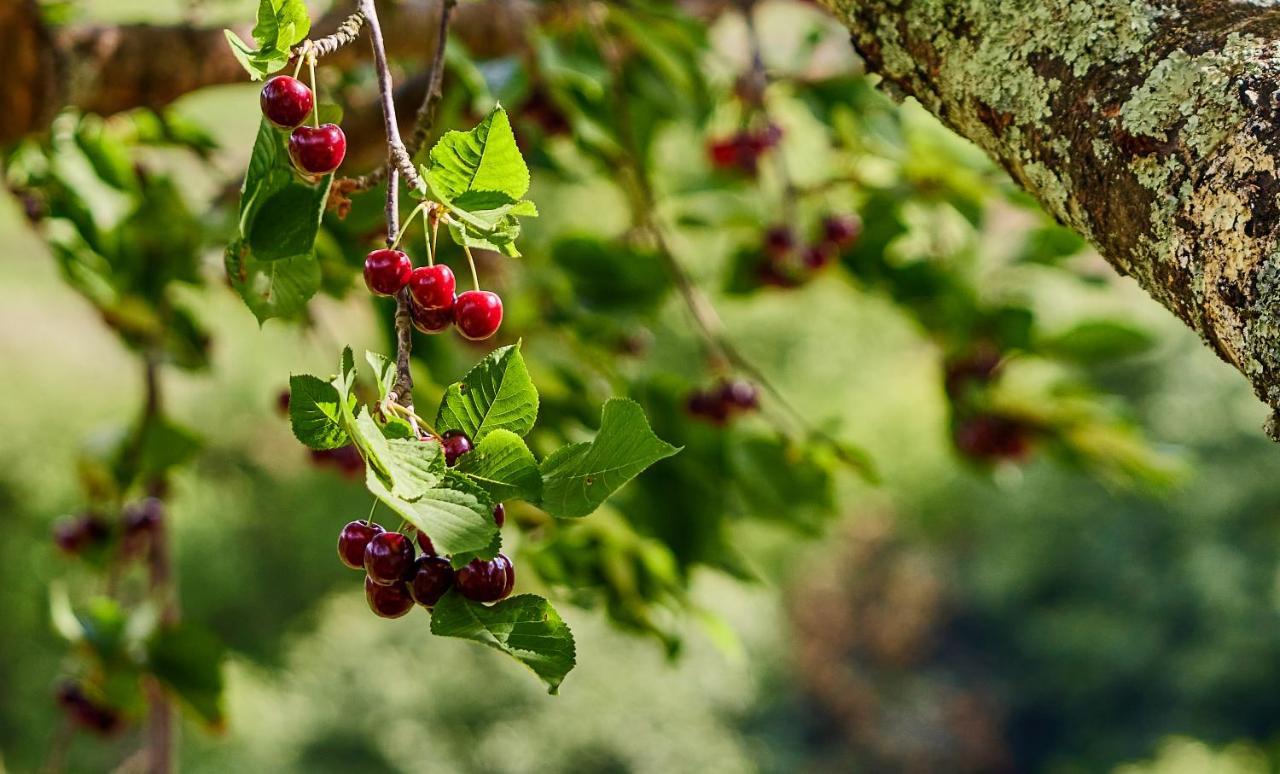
x: 478, y: 313
x: 386, y: 271
x: 425, y: 544
x: 388, y: 558
x: 285, y: 101
x: 388, y: 601
x: 499, y: 515
x: 431, y: 320
x: 353, y: 540
x: 841, y: 230
x: 318, y: 150
x: 455, y: 443
x: 486, y: 581
x: 432, y: 577
x: 432, y: 286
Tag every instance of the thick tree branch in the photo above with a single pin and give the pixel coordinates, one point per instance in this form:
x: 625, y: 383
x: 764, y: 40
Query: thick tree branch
x: 1149, y: 126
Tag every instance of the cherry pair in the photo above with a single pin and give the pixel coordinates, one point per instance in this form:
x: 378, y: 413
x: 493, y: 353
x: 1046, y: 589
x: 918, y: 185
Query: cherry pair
x: 435, y: 306
x: 316, y: 150
x: 788, y: 264
x: 721, y: 401
x: 743, y: 149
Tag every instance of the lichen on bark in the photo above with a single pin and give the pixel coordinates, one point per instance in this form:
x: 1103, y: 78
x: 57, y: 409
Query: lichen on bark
x: 1149, y: 126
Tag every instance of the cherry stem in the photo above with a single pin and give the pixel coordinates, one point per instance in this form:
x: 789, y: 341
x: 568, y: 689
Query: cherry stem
x: 426, y: 237
x: 466, y: 248
x: 368, y: 520
x: 408, y: 413
x: 315, y: 95
x: 407, y: 223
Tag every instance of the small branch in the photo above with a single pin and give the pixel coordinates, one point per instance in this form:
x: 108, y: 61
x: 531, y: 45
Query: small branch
x: 759, y: 76
x: 348, y: 32
x: 426, y: 116
x: 396, y: 152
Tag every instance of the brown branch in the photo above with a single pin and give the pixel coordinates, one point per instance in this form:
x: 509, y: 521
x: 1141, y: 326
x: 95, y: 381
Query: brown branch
x: 346, y: 34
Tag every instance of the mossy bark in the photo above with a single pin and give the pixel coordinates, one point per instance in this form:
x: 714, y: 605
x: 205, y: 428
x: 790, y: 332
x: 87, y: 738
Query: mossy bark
x: 1152, y: 127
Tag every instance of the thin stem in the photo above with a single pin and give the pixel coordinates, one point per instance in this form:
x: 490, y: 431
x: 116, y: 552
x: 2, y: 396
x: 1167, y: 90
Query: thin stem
x: 428, y: 239
x: 315, y: 95
x: 368, y: 520
x: 303, y: 50
x: 408, y: 222
x: 475, y: 278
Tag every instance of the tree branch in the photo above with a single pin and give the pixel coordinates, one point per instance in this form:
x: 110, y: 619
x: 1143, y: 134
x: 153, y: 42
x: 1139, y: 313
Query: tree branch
x: 1152, y: 128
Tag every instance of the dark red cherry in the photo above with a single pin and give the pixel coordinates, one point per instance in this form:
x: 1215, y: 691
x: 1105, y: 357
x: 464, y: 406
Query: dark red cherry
x: 431, y: 320
x: 818, y: 256
x: 488, y: 580
x: 499, y: 515
x: 354, y: 539
x: 87, y: 713
x: 386, y: 271
x: 739, y: 394
x: 425, y: 544
x: 841, y: 230
x: 388, y: 601
x: 478, y: 313
x: 318, y: 150
x: 992, y: 437
x: 779, y: 240
x: 74, y: 534
x: 432, y: 286
x: 456, y: 444
x: 285, y: 101
x: 432, y: 577
x: 708, y: 406
x: 388, y: 558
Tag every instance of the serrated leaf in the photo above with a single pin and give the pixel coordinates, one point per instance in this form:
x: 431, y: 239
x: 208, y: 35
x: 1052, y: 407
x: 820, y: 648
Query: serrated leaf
x: 281, y: 25
x: 457, y: 514
x: 497, y: 394
x: 504, y: 466
x: 413, y: 466
x: 188, y: 660
x: 577, y: 478
x: 314, y: 413
x: 525, y: 627
x: 272, y: 288
x: 384, y: 372
x: 483, y: 159
x: 280, y: 212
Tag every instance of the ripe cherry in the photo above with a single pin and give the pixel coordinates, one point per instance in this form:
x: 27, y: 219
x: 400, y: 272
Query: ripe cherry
x: 499, y: 515
x: 386, y: 271
x: 739, y: 394
x: 424, y: 542
x: 818, y: 256
x: 486, y: 580
x: 87, y: 713
x: 318, y: 150
x: 708, y: 406
x: 354, y: 539
x: 841, y: 230
x: 992, y: 437
x: 390, y: 601
x: 456, y: 443
x: 432, y: 577
x: 388, y: 558
x: 478, y: 313
x: 74, y: 534
x: 432, y: 286
x: 285, y: 101
x: 431, y: 320
x: 779, y: 241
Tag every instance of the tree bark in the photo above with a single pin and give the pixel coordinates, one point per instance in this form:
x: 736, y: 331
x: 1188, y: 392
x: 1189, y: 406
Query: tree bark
x: 1152, y: 127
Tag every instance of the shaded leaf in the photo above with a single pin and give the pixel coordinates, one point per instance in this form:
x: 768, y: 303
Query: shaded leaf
x: 525, y: 627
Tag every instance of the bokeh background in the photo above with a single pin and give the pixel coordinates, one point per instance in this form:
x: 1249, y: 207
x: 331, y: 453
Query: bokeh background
x: 955, y: 617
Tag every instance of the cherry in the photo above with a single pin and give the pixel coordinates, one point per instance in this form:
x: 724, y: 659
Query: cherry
x: 499, y: 515
x: 739, y: 394
x: 144, y: 516
x: 388, y: 558
x: 390, y: 601
x: 432, y: 286
x: 282, y: 403
x: 779, y: 240
x: 818, y: 256
x: 285, y: 101
x: 346, y: 459
x: 87, y: 713
x: 431, y: 577
x: 425, y: 544
x: 456, y: 443
x: 431, y: 320
x: 486, y: 580
x: 841, y: 230
x: 478, y: 313
x: 386, y: 271
x: 74, y: 534
x: 318, y: 150
x: 708, y: 406
x: 978, y: 367
x: 354, y: 539
x: 991, y: 437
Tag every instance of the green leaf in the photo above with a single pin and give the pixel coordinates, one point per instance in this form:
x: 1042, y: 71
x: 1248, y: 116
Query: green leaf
x: 483, y: 159
x: 314, y: 413
x: 384, y: 372
x: 504, y: 466
x: 280, y: 212
x: 782, y: 482
x: 259, y: 64
x: 281, y: 25
x: 163, y: 445
x: 1098, y: 340
x: 413, y: 466
x: 457, y: 514
x: 188, y: 660
x: 525, y: 627
x: 272, y: 288
x: 579, y: 477
x: 497, y: 394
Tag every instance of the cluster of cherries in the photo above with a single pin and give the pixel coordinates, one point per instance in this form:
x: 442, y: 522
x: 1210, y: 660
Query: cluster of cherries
x: 86, y: 532
x: 787, y: 263
x: 982, y: 434
x: 434, y: 305
x: 742, y: 150
x: 315, y: 150
x: 397, y: 577
x: 727, y: 397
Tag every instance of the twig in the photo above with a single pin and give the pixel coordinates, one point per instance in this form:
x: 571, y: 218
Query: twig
x: 425, y: 119
x: 396, y: 152
x: 348, y: 32
x: 760, y: 77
